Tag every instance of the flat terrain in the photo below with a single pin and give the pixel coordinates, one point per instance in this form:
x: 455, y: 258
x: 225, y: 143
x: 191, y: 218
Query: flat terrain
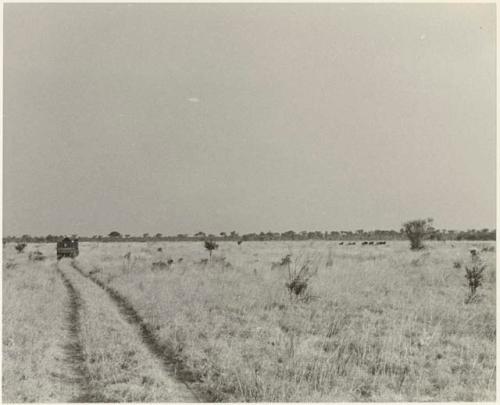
x: 375, y: 323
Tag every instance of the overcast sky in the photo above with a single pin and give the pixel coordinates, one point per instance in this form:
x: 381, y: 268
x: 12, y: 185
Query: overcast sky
x: 216, y: 117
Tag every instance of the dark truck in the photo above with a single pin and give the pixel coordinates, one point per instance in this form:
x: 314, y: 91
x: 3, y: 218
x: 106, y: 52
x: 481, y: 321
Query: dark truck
x: 67, y: 248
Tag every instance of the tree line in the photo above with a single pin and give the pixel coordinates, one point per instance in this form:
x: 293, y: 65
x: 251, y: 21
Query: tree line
x: 358, y: 235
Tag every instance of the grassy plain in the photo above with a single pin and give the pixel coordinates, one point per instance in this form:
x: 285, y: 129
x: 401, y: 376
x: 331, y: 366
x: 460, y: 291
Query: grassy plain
x: 64, y: 340
x: 381, y: 323
x: 34, y: 330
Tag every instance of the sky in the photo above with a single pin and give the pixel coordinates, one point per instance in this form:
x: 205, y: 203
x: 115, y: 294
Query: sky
x: 179, y: 118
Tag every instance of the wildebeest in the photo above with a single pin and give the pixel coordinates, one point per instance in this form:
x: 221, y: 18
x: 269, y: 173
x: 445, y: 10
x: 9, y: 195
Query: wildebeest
x: 365, y: 243
x: 381, y: 242
x: 351, y: 243
x: 341, y: 243
x: 370, y: 243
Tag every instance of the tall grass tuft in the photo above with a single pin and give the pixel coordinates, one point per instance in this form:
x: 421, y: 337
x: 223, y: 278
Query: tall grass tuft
x: 299, y: 275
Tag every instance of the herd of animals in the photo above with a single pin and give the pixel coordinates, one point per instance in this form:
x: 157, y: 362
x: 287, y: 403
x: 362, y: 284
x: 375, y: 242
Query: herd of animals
x: 365, y: 243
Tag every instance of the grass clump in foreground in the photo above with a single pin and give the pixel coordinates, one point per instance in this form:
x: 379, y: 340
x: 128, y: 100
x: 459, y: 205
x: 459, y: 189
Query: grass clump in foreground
x: 380, y: 329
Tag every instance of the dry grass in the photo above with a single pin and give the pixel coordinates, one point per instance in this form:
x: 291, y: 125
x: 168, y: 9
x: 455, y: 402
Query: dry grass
x: 117, y: 365
x: 64, y: 340
x: 34, y: 331
x: 387, y: 324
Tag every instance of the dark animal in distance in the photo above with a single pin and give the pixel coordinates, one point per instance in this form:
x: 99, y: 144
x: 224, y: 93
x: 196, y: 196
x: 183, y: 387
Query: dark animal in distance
x: 341, y: 243
x: 370, y: 243
x: 240, y: 242
x: 365, y: 243
x: 381, y: 243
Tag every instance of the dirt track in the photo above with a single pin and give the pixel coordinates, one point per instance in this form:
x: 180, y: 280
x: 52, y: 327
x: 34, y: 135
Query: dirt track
x: 111, y: 350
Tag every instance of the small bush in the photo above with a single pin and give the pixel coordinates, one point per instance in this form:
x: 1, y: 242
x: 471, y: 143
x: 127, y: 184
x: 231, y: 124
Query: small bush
x: 474, y: 275
x: 211, y: 245
x: 284, y: 262
x: 36, y: 256
x: 457, y: 264
x: 20, y: 247
x: 416, y: 231
x: 222, y: 262
x: 160, y: 265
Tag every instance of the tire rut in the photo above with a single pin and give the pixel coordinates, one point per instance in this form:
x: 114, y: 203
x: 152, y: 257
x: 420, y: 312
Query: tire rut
x: 162, y: 352
x: 73, y: 350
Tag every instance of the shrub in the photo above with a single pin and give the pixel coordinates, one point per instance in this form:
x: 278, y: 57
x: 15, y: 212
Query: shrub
x: 159, y: 265
x: 457, y: 264
x: 20, y: 247
x: 416, y: 231
x: 210, y: 245
x: 36, y: 256
x: 474, y: 275
x: 284, y: 261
